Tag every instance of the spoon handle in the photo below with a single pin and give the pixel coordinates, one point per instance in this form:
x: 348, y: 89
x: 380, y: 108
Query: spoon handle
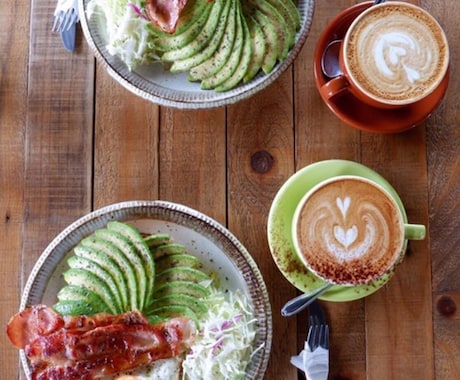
x: 299, y: 303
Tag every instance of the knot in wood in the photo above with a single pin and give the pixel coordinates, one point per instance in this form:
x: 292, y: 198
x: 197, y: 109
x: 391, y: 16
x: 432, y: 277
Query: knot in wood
x: 262, y: 161
x: 446, y: 306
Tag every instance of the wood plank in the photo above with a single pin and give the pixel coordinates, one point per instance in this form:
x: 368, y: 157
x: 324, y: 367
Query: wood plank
x: 193, y: 159
x: 320, y: 135
x: 260, y: 158
x: 399, y: 322
x: 58, y: 136
x: 443, y: 147
x: 126, y: 144
x: 14, y: 19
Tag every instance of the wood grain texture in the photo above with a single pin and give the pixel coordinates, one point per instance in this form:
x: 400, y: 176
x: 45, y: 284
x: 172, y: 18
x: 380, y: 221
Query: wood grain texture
x: 443, y: 160
x: 58, y: 136
x: 126, y: 144
x: 193, y: 158
x: 13, y: 110
x: 260, y: 157
x: 72, y: 139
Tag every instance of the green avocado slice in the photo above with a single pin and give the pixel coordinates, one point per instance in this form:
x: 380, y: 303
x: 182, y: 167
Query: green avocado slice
x: 200, y: 55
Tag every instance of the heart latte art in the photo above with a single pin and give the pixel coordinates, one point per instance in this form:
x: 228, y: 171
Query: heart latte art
x: 350, y: 231
x: 396, y: 53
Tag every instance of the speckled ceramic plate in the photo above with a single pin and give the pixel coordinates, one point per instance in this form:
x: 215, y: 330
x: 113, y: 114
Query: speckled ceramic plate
x: 154, y: 83
x: 280, y: 220
x: 218, y: 250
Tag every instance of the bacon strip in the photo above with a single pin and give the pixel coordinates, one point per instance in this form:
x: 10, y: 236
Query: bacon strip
x: 82, y: 348
x: 165, y: 13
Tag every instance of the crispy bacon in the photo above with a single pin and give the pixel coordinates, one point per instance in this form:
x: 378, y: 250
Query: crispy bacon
x: 87, y: 348
x: 165, y: 13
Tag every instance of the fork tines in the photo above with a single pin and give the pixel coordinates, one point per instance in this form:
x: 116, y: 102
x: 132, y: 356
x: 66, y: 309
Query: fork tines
x: 64, y: 20
x: 318, y: 332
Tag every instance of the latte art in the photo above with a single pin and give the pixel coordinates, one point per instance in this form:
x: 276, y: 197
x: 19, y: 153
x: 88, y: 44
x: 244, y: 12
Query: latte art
x: 350, y: 231
x: 396, y: 52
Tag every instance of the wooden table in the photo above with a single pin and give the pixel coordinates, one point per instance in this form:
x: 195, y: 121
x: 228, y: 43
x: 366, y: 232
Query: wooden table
x: 73, y: 140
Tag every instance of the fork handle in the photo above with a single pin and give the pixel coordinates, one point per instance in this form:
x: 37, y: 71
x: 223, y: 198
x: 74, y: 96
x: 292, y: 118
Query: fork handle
x: 300, y: 302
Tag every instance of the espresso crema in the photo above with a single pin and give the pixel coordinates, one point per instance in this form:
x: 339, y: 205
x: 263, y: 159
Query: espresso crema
x: 349, y: 231
x: 396, y: 53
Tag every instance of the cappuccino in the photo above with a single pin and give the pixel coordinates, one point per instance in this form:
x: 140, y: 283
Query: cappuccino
x: 349, y: 231
x: 396, y: 53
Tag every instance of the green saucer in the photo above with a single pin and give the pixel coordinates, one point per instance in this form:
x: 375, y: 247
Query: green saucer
x: 280, y: 219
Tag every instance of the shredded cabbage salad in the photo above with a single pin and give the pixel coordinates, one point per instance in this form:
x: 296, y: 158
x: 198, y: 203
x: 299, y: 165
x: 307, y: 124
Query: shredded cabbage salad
x: 127, y: 30
x: 224, y: 345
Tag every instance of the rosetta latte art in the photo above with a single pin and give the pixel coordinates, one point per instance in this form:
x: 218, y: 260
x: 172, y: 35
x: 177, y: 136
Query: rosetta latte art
x: 397, y: 56
x: 349, y: 231
x: 349, y: 237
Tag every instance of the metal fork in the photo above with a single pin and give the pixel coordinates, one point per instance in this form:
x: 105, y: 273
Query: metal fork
x: 318, y: 332
x: 64, y: 20
x: 313, y: 360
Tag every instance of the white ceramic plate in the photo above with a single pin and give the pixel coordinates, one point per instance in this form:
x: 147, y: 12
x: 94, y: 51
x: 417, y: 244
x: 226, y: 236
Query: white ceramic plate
x: 205, y: 238
x: 154, y: 83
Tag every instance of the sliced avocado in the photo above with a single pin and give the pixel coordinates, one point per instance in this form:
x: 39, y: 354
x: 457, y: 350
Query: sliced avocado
x: 289, y: 17
x: 203, y: 54
x: 222, y: 54
x: 135, y: 238
x: 180, y: 274
x: 111, y: 267
x: 229, y: 67
x: 81, y: 297
x: 132, y: 254
x: 85, y: 279
x: 182, y: 287
x: 171, y: 261
x: 271, y: 40
x: 95, y: 243
x: 80, y: 307
x: 257, y: 39
x: 84, y: 264
x: 293, y: 11
x: 278, y: 23
x: 179, y: 39
x: 195, y: 304
x: 168, y: 249
x: 167, y: 312
x: 201, y: 40
x: 77, y: 293
x: 156, y: 240
x: 244, y: 62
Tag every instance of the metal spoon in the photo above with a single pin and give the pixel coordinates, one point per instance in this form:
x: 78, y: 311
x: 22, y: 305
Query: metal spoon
x: 299, y: 303
x: 330, y: 59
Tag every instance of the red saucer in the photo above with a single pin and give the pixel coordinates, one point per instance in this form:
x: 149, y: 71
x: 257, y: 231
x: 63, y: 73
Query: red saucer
x: 361, y: 115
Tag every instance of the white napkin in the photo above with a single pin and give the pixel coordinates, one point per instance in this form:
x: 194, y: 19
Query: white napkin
x: 315, y: 364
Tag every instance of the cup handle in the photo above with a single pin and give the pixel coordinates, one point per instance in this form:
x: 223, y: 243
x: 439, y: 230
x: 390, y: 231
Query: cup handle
x: 414, y: 231
x: 335, y: 87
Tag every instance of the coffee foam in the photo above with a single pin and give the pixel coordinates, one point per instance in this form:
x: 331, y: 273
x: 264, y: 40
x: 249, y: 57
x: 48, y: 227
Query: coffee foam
x: 397, y: 52
x: 350, y: 232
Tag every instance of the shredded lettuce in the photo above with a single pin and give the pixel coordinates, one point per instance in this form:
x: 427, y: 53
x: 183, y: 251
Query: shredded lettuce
x: 127, y: 30
x: 224, y: 345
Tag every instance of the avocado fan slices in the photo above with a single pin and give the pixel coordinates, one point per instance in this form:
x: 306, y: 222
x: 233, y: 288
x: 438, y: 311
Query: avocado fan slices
x: 117, y: 269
